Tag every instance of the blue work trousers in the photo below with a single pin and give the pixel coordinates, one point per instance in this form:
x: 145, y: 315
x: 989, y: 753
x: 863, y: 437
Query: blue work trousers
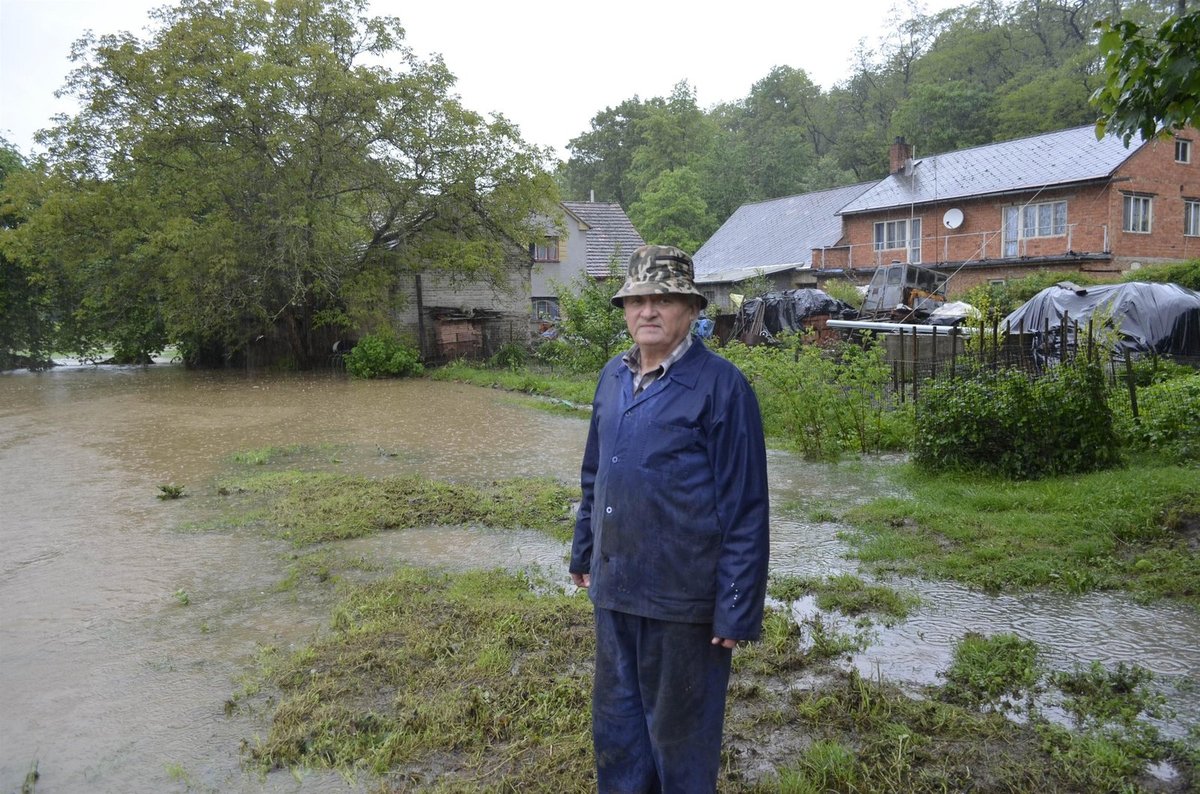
x: 658, y: 706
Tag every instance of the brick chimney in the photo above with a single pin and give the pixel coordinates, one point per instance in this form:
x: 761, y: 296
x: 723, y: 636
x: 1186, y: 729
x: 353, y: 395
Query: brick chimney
x: 900, y: 153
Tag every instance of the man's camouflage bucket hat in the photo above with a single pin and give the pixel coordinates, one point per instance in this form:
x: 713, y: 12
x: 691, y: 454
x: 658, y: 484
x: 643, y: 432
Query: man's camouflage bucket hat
x: 659, y: 270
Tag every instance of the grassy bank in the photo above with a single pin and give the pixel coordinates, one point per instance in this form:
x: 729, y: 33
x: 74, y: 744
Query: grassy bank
x: 480, y: 681
x: 1135, y: 529
x: 563, y: 390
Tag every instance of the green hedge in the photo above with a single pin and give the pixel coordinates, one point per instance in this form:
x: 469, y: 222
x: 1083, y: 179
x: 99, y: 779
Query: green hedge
x: 1006, y: 422
x: 383, y: 357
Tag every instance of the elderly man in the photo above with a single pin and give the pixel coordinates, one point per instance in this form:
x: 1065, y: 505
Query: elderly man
x: 671, y: 536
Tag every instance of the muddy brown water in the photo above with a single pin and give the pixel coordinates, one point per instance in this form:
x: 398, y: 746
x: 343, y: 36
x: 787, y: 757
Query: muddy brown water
x: 109, y: 683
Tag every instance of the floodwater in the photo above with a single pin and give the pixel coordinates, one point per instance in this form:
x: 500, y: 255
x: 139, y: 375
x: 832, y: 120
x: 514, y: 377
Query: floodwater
x: 109, y: 682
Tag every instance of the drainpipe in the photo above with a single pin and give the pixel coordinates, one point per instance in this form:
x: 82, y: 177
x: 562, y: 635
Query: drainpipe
x: 420, y: 318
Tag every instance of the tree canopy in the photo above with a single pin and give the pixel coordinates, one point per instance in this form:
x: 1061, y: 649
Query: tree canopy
x: 981, y: 72
x: 263, y: 168
x: 1152, y: 75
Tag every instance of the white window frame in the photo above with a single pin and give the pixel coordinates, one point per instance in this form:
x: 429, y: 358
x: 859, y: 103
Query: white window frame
x: 545, y: 309
x: 1191, y: 217
x: 1044, y: 219
x: 1183, y: 150
x: 546, y: 250
x: 897, y: 235
x: 1137, y: 213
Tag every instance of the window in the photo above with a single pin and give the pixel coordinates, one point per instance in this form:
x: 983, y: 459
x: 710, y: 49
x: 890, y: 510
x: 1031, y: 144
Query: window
x: 1183, y: 150
x: 894, y: 235
x: 1191, y: 217
x: 1137, y: 214
x: 545, y: 308
x: 546, y: 250
x: 1047, y: 219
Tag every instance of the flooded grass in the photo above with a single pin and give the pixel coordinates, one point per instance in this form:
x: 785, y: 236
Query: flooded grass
x: 568, y: 393
x: 441, y: 682
x: 1130, y: 529
x: 480, y: 682
x: 847, y: 594
x: 313, y: 507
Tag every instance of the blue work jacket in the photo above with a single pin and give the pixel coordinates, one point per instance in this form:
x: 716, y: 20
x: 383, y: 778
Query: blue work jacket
x: 673, y: 524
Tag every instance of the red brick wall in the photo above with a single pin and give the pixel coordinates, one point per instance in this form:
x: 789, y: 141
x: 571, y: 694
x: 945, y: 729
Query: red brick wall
x: 1152, y: 170
x: 1094, y: 221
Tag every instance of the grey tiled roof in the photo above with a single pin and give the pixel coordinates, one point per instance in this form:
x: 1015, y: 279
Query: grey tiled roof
x: 1055, y: 158
x: 610, y: 235
x: 774, y: 235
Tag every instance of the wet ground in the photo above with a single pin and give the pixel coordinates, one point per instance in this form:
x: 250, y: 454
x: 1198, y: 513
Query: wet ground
x: 109, y: 682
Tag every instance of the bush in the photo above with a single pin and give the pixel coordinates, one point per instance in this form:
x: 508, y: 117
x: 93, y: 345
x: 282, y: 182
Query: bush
x: 823, y: 400
x: 1002, y: 299
x: 1007, y: 423
x: 1185, y: 274
x: 845, y: 291
x: 591, y: 328
x: 1168, y: 419
x: 383, y: 356
x: 511, y: 356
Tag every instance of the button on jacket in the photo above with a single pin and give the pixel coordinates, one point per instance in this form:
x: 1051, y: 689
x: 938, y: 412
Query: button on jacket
x: 673, y: 524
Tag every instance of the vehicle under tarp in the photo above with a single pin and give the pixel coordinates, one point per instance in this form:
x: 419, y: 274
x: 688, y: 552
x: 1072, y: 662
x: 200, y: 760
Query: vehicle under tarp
x: 1151, y: 318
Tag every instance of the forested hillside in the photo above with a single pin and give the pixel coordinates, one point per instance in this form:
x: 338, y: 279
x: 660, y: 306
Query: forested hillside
x: 982, y: 72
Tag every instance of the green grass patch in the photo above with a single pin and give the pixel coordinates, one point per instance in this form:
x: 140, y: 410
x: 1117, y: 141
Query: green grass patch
x: 1135, y: 529
x: 265, y: 456
x: 432, y: 681
x: 575, y: 391
x: 312, y: 507
x: 847, y: 594
x: 481, y: 682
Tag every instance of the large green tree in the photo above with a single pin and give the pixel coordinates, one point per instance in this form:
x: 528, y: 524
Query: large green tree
x: 26, y: 312
x: 267, y: 168
x: 1152, y: 75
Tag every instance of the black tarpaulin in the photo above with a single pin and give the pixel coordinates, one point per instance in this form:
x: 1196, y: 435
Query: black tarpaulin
x: 774, y: 313
x: 1151, y: 317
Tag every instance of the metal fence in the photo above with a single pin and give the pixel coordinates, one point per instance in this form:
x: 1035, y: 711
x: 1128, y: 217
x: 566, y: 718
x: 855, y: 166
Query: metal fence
x: 916, y: 355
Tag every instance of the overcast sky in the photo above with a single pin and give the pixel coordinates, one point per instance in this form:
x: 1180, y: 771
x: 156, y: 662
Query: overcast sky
x: 549, y: 66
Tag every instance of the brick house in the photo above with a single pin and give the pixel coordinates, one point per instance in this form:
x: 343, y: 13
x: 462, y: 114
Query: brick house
x: 585, y: 240
x: 1061, y: 201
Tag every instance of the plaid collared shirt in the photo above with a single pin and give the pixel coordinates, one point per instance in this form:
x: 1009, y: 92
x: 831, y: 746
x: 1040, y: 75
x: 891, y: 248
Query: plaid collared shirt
x: 633, y: 360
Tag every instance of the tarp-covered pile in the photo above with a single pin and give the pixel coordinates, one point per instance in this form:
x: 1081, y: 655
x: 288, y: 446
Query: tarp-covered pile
x: 1152, y: 318
x: 765, y: 317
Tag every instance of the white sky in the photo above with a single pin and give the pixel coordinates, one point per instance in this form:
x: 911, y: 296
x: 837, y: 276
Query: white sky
x: 547, y: 65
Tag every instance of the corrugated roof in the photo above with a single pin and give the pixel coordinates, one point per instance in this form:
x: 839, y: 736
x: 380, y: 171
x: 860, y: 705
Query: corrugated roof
x: 611, y: 236
x: 774, y: 235
x: 1047, y: 160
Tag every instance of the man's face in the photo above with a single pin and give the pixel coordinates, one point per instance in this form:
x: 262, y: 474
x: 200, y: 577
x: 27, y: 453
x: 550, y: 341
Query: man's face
x: 658, y: 323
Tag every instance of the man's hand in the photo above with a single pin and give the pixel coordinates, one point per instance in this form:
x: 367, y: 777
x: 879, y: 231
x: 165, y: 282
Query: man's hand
x: 583, y: 580
x: 724, y: 642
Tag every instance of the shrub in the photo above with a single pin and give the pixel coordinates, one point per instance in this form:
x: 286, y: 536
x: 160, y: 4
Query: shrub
x: 1185, y: 274
x: 1168, y: 419
x: 382, y: 356
x: 1004, y: 298
x: 824, y: 400
x: 845, y: 291
x: 1007, y: 423
x: 591, y: 327
x: 511, y: 356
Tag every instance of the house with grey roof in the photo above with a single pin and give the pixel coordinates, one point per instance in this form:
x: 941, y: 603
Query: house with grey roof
x: 588, y: 238
x: 1061, y: 201
x: 775, y: 239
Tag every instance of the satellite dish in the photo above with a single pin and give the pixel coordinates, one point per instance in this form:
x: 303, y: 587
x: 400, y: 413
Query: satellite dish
x: 953, y: 218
